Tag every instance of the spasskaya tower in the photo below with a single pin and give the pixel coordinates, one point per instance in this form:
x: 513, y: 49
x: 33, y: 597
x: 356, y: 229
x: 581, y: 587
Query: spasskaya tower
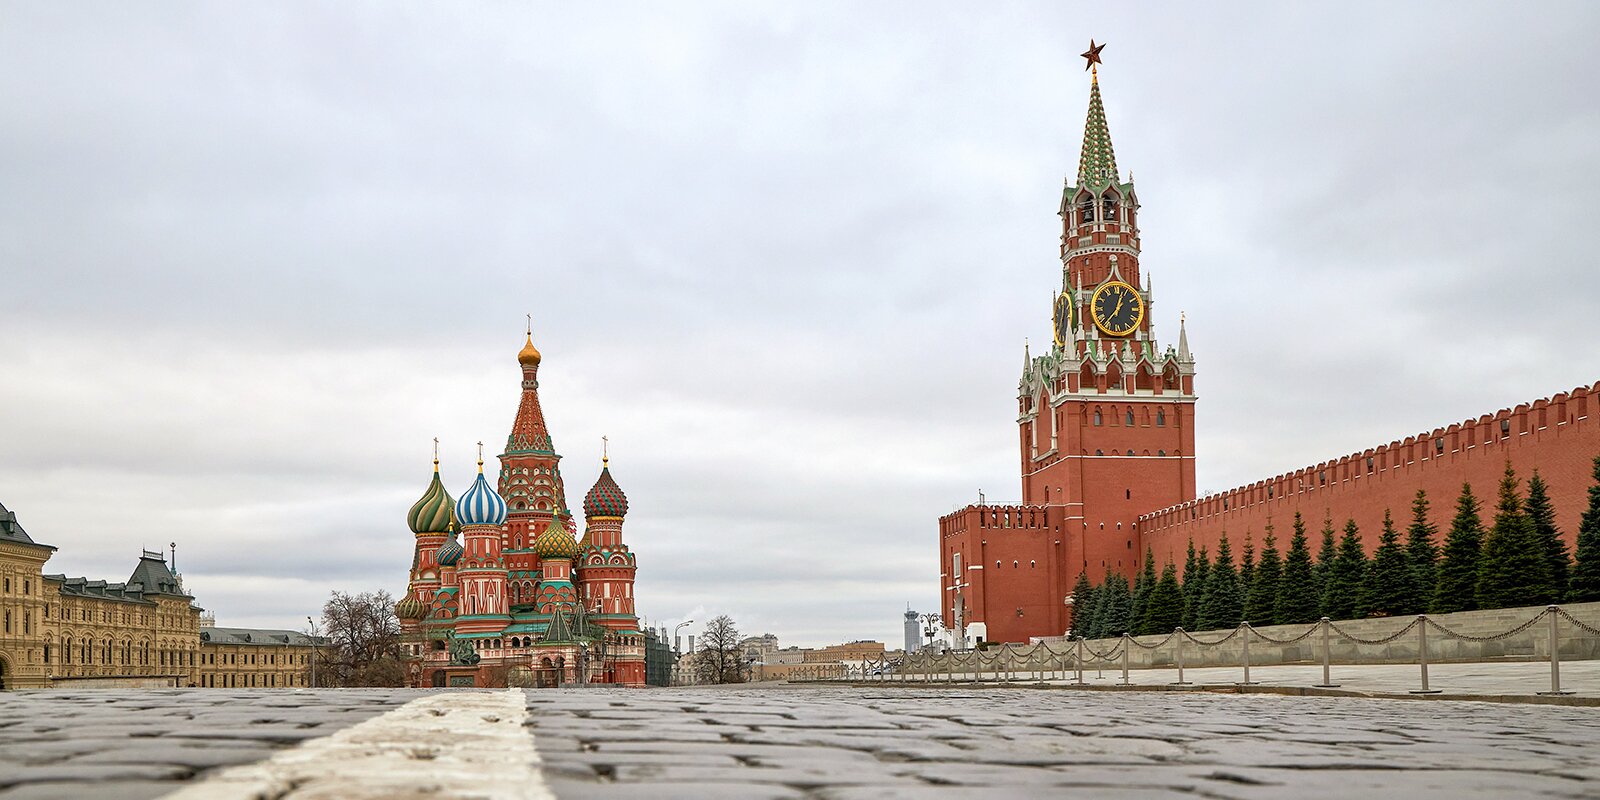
x: 1105, y: 420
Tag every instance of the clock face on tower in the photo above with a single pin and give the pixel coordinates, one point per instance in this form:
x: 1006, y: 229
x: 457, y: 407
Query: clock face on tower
x: 1117, y: 308
x: 1063, y: 320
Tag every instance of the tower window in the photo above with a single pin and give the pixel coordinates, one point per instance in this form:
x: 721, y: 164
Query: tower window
x: 1161, y: 452
x: 1505, y: 427
x: 1099, y: 452
x: 1096, y: 422
x: 1108, y: 208
x: 1127, y: 494
x: 1369, y: 464
x: 1130, y: 452
x: 1438, y: 445
x: 1161, y: 419
x: 1130, y: 417
x: 1086, y: 211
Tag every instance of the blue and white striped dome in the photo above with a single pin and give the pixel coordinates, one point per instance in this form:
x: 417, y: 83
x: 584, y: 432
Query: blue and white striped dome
x: 481, y: 505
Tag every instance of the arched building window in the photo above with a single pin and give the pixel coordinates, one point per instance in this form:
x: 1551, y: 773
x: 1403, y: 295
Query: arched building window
x: 1086, y: 211
x: 1108, y: 208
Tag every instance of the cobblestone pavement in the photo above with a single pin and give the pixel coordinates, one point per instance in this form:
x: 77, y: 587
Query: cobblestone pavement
x: 135, y: 744
x: 844, y: 742
x: 920, y: 743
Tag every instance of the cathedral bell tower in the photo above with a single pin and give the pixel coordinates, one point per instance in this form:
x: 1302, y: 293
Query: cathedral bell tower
x: 1106, y: 415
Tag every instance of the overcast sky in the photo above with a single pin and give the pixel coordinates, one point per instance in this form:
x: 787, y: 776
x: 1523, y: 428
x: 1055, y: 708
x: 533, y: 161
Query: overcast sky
x: 254, y: 257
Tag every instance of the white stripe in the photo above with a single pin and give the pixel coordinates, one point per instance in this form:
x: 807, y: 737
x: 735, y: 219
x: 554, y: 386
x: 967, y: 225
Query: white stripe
x: 448, y: 745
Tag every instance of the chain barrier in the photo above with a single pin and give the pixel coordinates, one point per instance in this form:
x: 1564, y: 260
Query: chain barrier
x: 1575, y: 621
x: 1384, y: 640
x: 1513, y: 632
x: 1155, y: 646
x: 1269, y: 640
x: 1012, y: 659
x: 1203, y: 643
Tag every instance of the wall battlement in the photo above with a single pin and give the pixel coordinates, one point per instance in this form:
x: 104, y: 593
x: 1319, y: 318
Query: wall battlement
x: 1560, y: 435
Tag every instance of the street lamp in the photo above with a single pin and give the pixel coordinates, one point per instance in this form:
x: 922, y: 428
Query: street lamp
x: 677, y: 651
x: 314, y: 637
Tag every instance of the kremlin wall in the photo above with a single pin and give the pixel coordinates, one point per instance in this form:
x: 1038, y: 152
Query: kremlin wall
x: 1559, y: 436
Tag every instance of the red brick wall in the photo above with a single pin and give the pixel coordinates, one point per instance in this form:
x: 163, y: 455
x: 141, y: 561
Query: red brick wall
x: 1559, y: 435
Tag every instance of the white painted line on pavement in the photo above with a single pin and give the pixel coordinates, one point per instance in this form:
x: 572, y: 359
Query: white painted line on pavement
x: 447, y: 745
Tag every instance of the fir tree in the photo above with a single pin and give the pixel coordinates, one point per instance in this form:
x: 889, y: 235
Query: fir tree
x: 1114, y: 609
x: 1326, y: 555
x: 1341, y: 591
x: 1390, y: 587
x: 1142, y: 587
x: 1585, y: 581
x: 1194, y: 585
x: 1261, y: 605
x: 1247, y: 574
x: 1082, y: 593
x: 1164, y: 609
x: 1219, y: 605
x: 1542, y: 516
x: 1424, y: 554
x: 1297, y: 600
x: 1457, y: 586
x: 1513, y: 571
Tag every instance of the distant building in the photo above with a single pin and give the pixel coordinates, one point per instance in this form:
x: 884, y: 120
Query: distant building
x: 658, y: 658
x: 57, y: 631
x: 849, y: 651
x: 913, y: 631
x: 759, y: 648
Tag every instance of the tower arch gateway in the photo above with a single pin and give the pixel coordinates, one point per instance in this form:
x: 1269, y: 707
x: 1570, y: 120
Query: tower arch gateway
x: 1121, y: 408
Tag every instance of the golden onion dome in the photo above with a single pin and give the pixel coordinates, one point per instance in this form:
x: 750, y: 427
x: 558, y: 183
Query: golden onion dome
x: 556, y: 542
x: 410, y: 608
x: 529, y: 355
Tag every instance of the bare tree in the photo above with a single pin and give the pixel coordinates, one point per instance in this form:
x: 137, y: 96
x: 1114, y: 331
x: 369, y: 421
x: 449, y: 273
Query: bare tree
x: 718, y: 659
x: 363, y: 641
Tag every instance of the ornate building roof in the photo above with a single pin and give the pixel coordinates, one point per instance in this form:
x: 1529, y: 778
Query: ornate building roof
x: 1097, y: 164
x: 605, y: 498
x: 434, y: 511
x: 481, y: 505
x: 449, y: 552
x: 410, y: 607
x: 529, y: 431
x: 556, y: 541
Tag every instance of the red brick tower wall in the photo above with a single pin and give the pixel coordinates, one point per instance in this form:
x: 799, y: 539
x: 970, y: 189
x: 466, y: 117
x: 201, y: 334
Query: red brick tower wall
x: 1560, y: 436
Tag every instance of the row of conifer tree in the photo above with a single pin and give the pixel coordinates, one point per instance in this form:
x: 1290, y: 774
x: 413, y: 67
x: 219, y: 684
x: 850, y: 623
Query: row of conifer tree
x: 1519, y: 560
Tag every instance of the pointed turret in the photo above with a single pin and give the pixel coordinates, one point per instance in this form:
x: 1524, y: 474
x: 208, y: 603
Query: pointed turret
x: 1097, y: 164
x: 1183, y: 340
x: 528, y: 431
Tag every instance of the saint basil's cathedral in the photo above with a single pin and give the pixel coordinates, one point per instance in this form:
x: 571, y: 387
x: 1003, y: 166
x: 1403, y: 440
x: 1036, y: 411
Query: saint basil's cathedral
x: 502, y: 588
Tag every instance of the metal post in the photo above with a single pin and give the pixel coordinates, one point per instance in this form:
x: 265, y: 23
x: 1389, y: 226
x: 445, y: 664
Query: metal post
x: 1555, y: 651
x: 1127, y: 646
x: 1178, y: 635
x: 1327, y: 681
x: 1245, y: 629
x: 1422, y: 654
x: 1078, y: 663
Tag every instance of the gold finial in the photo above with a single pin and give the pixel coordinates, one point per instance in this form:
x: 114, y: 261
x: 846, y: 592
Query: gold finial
x: 480, y: 458
x: 1181, y: 318
x: 529, y: 355
x: 435, y: 454
x: 605, y: 456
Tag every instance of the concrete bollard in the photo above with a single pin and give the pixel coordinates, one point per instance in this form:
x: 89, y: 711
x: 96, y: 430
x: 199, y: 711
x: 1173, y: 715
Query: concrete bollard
x: 1327, y: 679
x: 1422, y: 654
x: 1127, y: 647
x: 1177, y: 634
x: 1555, y: 651
x: 1244, y: 630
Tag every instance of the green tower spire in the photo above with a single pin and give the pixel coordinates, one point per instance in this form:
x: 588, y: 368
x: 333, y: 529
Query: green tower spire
x: 1097, y: 166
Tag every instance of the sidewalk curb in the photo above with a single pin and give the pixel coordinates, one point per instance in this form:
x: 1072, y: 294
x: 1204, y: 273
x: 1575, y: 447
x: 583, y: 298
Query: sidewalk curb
x: 1226, y: 688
